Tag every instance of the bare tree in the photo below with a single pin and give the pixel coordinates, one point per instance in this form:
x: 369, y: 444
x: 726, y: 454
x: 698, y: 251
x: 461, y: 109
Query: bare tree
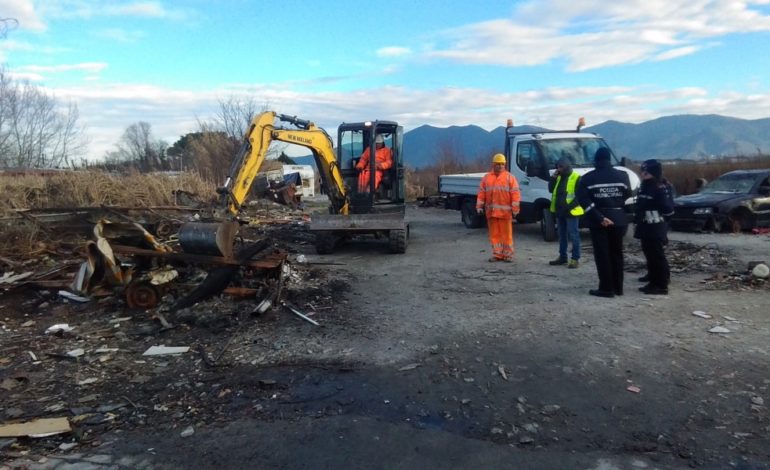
x: 5, y: 133
x: 35, y: 130
x: 211, y: 149
x: 139, y: 149
x: 235, y: 114
x: 234, y: 118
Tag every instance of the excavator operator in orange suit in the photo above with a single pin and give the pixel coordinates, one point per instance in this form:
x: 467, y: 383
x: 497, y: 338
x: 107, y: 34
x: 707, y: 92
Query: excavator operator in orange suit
x: 383, y: 159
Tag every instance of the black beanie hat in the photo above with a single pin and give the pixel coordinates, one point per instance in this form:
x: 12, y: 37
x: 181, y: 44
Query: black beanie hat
x: 653, y: 167
x: 602, y: 155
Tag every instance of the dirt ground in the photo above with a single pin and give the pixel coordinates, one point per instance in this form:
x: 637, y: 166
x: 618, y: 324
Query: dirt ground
x: 435, y: 358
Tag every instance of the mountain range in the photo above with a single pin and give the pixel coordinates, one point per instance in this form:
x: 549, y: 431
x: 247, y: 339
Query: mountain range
x: 669, y: 137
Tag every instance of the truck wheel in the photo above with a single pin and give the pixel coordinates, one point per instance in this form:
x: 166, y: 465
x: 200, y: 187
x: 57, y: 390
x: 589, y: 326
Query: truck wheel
x: 548, y: 225
x: 470, y: 218
x: 397, y: 240
x: 325, y: 243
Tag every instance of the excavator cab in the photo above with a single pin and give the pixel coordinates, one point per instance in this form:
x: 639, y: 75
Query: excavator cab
x: 376, y: 198
x: 383, y: 187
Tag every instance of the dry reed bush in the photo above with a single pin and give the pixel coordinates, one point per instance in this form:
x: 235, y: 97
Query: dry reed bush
x: 21, y: 239
x: 424, y: 181
x: 20, y: 192
x: 84, y: 189
x: 413, y: 190
x: 95, y: 188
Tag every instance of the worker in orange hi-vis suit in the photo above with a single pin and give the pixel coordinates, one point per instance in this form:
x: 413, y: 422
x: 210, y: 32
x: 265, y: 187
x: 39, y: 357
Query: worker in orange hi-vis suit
x: 499, y: 198
x: 383, y: 159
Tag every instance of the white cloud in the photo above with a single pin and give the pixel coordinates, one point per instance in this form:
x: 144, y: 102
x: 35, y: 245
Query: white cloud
x: 90, y: 67
x: 677, y: 52
x: 95, y: 8
x: 594, y: 33
x: 393, y: 51
x: 22, y: 11
x: 148, y: 9
x: 6, y: 46
x: 107, y: 110
x: 11, y: 45
x: 38, y: 73
x: 25, y: 76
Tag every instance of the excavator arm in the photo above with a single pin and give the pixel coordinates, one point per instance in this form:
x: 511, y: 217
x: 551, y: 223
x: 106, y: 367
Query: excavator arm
x: 252, y: 154
x: 217, y: 238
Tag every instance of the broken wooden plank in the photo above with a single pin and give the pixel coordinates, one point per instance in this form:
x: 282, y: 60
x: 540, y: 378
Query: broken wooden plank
x: 36, y: 428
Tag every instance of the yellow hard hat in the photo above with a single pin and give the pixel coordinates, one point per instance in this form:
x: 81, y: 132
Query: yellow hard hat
x: 498, y: 158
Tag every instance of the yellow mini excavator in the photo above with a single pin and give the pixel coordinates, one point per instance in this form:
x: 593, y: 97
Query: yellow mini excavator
x: 353, y: 210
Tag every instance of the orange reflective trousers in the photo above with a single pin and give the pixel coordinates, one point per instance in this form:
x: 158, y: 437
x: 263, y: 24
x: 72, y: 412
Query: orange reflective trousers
x: 501, y: 237
x: 363, y: 180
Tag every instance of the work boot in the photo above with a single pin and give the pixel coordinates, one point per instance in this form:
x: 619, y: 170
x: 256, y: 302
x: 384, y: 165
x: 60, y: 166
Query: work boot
x: 601, y: 293
x: 573, y: 264
x: 645, y: 278
x: 649, y: 289
x: 558, y: 262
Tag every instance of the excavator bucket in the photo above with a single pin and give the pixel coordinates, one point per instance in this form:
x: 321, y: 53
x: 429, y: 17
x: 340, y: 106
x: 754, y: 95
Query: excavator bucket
x: 205, y: 238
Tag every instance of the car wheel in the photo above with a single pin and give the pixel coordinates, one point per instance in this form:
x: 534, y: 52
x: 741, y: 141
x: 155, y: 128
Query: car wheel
x: 716, y: 225
x: 740, y: 220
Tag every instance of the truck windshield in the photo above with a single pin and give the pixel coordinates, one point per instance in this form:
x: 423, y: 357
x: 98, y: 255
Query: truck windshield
x: 580, y: 151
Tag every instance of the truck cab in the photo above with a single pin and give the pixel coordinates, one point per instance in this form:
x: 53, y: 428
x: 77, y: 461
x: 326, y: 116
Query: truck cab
x: 531, y: 157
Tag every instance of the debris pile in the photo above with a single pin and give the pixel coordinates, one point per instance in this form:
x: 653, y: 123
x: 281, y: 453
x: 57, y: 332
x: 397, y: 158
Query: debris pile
x: 121, y: 329
x: 718, y: 263
x: 755, y: 276
x: 689, y: 257
x: 71, y: 371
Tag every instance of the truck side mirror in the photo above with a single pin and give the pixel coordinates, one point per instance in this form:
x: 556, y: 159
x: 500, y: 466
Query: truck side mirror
x: 624, y: 162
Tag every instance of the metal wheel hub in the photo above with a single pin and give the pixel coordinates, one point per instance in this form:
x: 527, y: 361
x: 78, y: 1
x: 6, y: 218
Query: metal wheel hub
x: 142, y: 294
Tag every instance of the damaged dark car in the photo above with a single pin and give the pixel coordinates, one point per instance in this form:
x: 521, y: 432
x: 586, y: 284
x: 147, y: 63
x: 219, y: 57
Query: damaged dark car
x: 736, y: 201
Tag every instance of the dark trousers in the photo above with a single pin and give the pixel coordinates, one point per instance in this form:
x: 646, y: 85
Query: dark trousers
x: 569, y: 232
x: 654, y: 250
x: 608, y: 255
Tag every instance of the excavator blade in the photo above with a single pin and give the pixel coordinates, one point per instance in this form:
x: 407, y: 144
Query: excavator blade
x: 208, y: 238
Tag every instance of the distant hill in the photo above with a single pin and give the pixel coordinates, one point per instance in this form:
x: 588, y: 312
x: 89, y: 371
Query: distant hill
x: 687, y: 136
x: 424, y: 145
x: 669, y: 137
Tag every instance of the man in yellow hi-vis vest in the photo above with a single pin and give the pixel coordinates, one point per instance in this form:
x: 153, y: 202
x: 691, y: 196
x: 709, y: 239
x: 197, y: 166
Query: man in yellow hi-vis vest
x: 567, y: 210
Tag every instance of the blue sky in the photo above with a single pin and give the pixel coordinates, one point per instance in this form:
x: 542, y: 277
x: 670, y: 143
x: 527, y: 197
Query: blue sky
x: 544, y: 62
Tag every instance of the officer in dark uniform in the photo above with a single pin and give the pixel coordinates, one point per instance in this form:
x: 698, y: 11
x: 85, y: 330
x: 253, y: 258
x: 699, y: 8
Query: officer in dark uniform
x: 602, y: 193
x: 654, y: 205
